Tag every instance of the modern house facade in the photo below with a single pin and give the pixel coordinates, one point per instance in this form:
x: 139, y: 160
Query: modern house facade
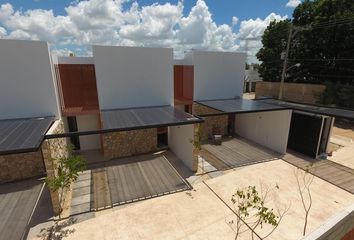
x: 128, y: 101
x: 85, y: 94
x: 29, y: 104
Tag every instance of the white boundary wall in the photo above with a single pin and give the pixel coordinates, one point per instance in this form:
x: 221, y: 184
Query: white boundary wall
x: 27, y: 85
x: 133, y: 76
x: 269, y: 129
x: 217, y: 75
x: 179, y: 141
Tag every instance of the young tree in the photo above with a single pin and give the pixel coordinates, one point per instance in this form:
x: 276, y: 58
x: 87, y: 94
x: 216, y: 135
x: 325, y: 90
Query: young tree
x: 67, y: 171
x: 252, y: 212
x: 304, y: 180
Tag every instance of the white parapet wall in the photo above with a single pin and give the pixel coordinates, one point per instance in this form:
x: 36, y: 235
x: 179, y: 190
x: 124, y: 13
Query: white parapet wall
x: 269, y: 129
x: 217, y: 75
x: 133, y: 76
x: 180, y: 142
x: 27, y: 87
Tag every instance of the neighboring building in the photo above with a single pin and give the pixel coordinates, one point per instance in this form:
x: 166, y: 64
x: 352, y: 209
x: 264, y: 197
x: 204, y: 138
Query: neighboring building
x: 251, y: 78
x: 125, y: 101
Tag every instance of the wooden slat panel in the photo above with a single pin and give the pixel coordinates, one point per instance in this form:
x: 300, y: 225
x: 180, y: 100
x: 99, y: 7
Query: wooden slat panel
x: 78, y: 86
x: 339, y: 175
x: 17, y: 201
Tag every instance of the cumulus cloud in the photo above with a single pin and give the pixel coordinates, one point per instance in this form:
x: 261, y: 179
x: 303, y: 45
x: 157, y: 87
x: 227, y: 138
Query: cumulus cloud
x: 293, y: 3
x: 251, y: 32
x: 107, y: 22
x: 234, y: 20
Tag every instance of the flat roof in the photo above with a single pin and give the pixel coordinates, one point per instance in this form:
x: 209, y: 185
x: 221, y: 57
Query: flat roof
x: 327, y: 111
x: 127, y: 119
x: 23, y: 135
x: 236, y: 105
x: 145, y: 117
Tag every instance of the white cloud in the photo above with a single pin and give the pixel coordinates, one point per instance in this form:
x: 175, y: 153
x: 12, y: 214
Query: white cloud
x: 234, y: 20
x: 6, y: 10
x: 107, y: 22
x: 293, y: 3
x: 3, y: 32
x: 251, y: 32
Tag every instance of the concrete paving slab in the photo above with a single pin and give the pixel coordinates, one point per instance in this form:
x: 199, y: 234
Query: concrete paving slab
x: 327, y: 198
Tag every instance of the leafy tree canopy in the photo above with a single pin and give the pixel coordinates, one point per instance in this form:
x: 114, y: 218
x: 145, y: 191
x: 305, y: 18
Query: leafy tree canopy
x: 323, y: 44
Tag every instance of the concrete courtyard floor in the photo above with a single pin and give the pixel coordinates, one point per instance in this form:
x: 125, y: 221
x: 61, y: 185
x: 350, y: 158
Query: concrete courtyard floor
x: 345, y: 154
x: 206, y: 211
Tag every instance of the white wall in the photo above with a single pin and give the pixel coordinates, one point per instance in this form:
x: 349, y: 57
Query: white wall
x: 74, y: 60
x: 270, y: 129
x: 26, y: 76
x: 179, y: 141
x: 133, y: 76
x: 217, y: 75
x: 86, y: 123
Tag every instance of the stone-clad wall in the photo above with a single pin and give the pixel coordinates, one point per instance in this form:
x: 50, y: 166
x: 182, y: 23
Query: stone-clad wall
x: 128, y: 143
x: 52, y: 150
x: 207, y: 126
x: 21, y: 166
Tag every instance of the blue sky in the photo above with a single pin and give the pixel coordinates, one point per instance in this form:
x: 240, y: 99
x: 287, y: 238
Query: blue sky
x: 198, y: 24
x: 222, y: 10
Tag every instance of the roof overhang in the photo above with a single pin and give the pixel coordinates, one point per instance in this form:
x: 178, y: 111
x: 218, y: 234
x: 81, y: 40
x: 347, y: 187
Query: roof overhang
x: 315, y: 109
x: 116, y: 120
x: 23, y: 135
x: 237, y: 105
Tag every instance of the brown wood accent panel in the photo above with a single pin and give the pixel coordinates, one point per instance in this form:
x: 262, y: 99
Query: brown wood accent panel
x: 183, y: 84
x: 77, y: 87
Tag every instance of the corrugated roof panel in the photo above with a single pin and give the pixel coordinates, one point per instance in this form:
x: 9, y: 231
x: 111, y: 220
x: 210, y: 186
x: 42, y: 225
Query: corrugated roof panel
x: 239, y: 106
x: 321, y: 110
x: 121, y: 119
x: 23, y: 135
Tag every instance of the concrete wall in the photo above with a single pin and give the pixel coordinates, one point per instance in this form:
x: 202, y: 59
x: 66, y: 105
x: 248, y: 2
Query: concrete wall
x: 27, y: 83
x: 297, y: 92
x: 133, y: 77
x: 217, y: 75
x: 180, y: 142
x: 270, y: 129
x: 87, y: 123
x: 339, y: 226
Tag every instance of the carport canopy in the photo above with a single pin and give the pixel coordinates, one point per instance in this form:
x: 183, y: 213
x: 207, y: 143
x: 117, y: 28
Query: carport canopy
x: 145, y: 117
x: 320, y: 110
x: 23, y: 135
x: 237, y: 105
x: 115, y: 120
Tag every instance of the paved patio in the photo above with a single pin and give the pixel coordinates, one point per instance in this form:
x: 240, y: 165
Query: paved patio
x: 126, y: 180
x: 332, y: 172
x: 204, y: 213
x: 236, y: 152
x: 17, y: 203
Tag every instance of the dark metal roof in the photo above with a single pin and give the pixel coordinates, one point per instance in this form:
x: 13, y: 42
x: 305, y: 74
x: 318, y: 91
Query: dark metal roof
x: 226, y: 106
x: 121, y: 119
x: 137, y: 118
x: 23, y: 135
x: 327, y: 111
